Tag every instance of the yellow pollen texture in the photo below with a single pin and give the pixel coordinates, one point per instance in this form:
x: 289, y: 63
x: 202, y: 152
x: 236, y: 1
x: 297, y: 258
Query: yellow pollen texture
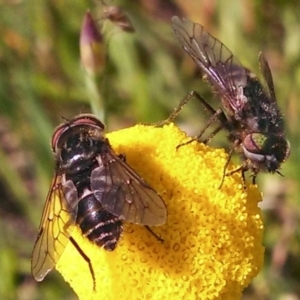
x: 212, y: 246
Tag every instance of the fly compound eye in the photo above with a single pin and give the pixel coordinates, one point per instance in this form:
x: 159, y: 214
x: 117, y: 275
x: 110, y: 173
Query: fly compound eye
x: 87, y: 119
x: 57, y: 134
x: 260, y: 160
x: 271, y: 148
x: 255, y: 143
x: 80, y: 121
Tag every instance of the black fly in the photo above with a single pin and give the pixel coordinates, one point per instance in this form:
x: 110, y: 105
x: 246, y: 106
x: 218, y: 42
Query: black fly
x: 249, y: 111
x: 93, y: 188
x: 117, y: 16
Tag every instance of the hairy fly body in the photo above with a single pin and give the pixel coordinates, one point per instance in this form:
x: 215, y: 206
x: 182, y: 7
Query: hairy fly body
x: 249, y: 110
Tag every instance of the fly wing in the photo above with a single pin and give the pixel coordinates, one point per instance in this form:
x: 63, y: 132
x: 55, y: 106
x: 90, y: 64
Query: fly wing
x: 215, y: 60
x: 125, y: 194
x: 266, y: 71
x: 54, y: 232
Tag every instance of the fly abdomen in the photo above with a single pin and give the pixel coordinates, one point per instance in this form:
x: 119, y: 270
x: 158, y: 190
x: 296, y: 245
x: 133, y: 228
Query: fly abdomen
x: 98, y: 225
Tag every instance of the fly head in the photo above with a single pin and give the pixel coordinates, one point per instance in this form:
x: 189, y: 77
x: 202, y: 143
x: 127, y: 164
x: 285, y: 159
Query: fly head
x: 265, y: 152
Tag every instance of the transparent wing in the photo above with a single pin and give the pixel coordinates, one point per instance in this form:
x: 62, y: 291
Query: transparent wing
x: 216, y: 61
x: 54, y: 232
x: 125, y: 194
x: 266, y: 71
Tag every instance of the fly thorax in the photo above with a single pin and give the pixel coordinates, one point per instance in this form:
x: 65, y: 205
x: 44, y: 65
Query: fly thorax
x: 266, y: 150
x: 79, y: 153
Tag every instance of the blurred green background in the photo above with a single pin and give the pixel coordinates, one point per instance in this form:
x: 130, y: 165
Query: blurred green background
x: 145, y: 75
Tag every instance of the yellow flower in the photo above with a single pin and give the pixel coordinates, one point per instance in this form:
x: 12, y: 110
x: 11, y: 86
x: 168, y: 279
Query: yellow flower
x: 212, y: 245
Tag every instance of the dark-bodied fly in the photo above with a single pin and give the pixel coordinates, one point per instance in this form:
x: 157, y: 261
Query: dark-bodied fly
x: 249, y: 110
x: 118, y: 16
x: 93, y: 188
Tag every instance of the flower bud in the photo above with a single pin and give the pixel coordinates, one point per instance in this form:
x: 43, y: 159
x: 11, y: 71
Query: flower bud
x: 91, y: 45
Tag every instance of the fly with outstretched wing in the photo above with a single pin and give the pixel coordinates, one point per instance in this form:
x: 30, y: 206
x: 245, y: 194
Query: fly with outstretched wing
x: 94, y: 189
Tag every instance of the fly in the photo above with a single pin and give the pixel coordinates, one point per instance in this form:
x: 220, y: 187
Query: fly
x: 93, y: 188
x: 249, y: 111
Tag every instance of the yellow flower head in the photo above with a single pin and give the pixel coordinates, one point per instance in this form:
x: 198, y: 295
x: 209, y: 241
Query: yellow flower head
x: 212, y: 245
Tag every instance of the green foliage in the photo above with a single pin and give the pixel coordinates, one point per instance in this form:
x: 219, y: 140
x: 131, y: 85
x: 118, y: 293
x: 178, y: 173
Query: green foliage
x: 145, y: 76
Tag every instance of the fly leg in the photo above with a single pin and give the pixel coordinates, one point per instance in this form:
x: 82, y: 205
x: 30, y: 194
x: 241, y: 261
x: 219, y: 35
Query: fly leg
x: 216, y: 115
x: 225, y: 168
x: 175, y: 112
x: 88, y: 261
x: 241, y: 168
x: 153, y: 233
